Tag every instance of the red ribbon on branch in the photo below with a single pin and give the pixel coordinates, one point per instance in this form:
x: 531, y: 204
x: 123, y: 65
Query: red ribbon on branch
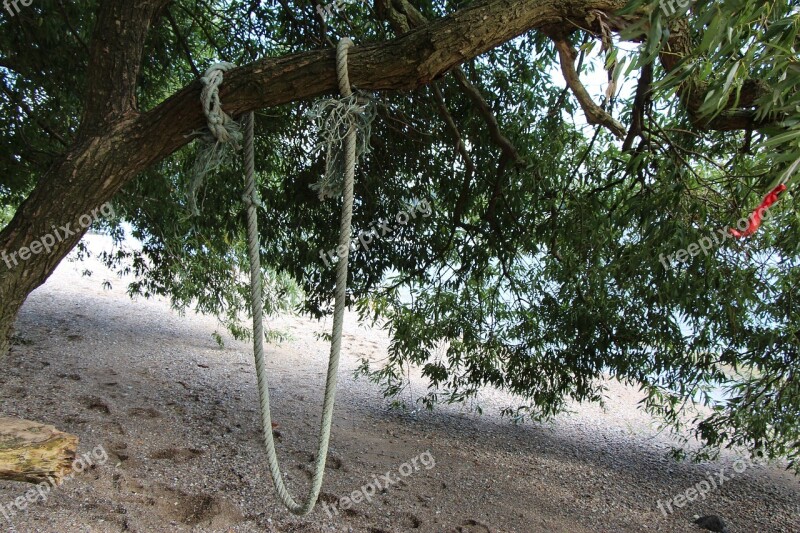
x: 758, y: 214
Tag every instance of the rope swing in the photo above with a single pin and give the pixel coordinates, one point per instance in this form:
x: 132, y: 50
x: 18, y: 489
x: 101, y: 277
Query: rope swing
x: 355, y: 121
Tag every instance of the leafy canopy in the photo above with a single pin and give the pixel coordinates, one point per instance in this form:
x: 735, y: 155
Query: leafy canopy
x: 539, y: 273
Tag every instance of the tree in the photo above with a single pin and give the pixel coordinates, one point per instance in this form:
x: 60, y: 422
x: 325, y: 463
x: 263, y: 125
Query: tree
x: 551, y: 256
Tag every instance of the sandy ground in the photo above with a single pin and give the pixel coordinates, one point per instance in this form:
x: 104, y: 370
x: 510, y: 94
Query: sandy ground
x: 172, y: 423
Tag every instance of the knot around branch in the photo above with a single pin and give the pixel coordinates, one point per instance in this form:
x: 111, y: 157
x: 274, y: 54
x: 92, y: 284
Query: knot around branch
x: 335, y: 118
x: 222, y: 127
x: 223, y: 137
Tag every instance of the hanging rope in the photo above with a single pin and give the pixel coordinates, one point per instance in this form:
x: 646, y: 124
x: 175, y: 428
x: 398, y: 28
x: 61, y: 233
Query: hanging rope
x: 221, y: 127
x: 335, y: 117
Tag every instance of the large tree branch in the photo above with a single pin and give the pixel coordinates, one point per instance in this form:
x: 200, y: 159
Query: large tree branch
x: 407, y: 62
x: 739, y: 115
x: 131, y: 142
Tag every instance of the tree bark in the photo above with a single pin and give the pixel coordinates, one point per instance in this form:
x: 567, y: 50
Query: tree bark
x: 87, y: 175
x: 33, y: 452
x: 693, y: 91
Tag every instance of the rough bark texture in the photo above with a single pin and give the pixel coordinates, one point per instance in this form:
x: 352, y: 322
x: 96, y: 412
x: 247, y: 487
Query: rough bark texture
x: 33, y: 452
x: 88, y: 173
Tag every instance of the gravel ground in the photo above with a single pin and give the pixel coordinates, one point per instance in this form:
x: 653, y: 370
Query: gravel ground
x: 176, y: 418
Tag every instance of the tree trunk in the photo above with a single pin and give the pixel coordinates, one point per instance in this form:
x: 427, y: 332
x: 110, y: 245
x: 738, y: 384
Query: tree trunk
x: 52, y: 221
x: 8, y: 314
x: 33, y: 452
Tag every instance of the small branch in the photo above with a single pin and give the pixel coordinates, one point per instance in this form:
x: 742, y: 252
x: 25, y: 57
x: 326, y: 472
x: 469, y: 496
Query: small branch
x: 9, y: 64
x: 222, y: 54
x: 403, y: 18
x: 497, y: 193
x: 28, y: 111
x: 182, y: 43
x: 483, y: 108
x: 640, y: 102
x: 71, y: 28
x: 461, y: 149
x: 451, y: 125
x: 594, y: 113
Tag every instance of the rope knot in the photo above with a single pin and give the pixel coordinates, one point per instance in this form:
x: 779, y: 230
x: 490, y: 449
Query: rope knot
x: 223, y: 128
x: 223, y: 132
x: 335, y: 118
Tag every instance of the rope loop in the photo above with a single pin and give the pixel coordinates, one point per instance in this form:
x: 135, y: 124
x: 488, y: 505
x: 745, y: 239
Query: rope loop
x: 221, y: 127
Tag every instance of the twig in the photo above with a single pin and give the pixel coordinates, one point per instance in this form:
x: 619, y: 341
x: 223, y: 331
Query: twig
x: 594, y: 113
x: 182, y: 43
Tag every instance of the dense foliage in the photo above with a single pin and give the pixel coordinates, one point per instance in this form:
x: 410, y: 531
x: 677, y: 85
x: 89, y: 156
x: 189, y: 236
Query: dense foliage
x: 539, y: 270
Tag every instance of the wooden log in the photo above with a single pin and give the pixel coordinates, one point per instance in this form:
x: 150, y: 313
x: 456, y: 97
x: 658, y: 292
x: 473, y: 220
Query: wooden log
x: 33, y: 452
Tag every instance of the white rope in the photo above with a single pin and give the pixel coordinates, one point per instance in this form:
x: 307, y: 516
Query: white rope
x: 223, y: 137
x: 335, y: 119
x: 223, y: 128
x: 212, y: 107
